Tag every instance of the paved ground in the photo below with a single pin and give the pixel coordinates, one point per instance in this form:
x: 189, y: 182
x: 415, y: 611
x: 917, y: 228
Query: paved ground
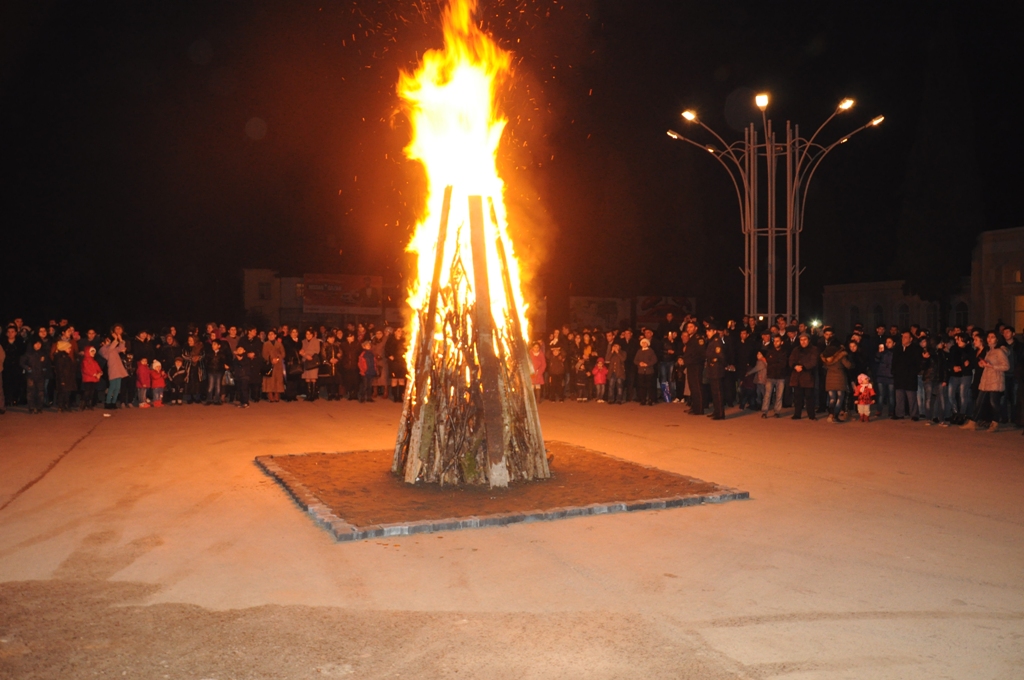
x: 155, y: 548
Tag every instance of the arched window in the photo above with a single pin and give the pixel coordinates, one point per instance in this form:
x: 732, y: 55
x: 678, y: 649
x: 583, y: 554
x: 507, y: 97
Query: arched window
x: 854, y: 316
x: 879, y: 316
x: 903, y: 317
x: 932, y: 317
x: 960, y: 315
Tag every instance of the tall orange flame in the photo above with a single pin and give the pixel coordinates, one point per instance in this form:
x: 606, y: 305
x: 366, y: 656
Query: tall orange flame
x: 451, y: 101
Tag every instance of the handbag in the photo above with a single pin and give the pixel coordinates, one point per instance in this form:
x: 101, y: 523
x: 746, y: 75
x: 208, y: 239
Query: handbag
x: 310, y: 364
x: 294, y: 367
x: 228, y: 379
x: 268, y: 370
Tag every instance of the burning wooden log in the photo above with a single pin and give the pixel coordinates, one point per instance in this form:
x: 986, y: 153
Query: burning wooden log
x: 470, y: 416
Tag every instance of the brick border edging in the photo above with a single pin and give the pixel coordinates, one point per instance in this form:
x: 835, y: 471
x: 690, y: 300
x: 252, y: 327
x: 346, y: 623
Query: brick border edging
x: 344, y: 532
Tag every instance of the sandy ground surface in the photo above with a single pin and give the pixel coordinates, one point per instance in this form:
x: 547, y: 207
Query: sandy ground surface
x: 155, y: 548
x: 360, y: 488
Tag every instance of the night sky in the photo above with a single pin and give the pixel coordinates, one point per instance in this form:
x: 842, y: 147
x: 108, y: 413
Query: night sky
x: 152, y: 150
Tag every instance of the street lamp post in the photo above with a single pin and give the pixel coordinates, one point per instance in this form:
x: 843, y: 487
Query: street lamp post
x: 742, y: 160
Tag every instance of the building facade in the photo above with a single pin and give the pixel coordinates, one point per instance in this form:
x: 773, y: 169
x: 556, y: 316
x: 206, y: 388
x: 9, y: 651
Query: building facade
x: 993, y: 293
x: 997, y: 289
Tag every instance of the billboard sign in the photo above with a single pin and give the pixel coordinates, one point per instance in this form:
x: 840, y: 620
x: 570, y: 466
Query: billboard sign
x: 342, y: 294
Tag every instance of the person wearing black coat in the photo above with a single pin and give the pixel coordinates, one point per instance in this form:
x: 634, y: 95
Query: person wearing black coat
x: 13, y: 380
x: 350, y: 350
x: 715, y: 353
x: 245, y: 369
x: 906, y: 366
x: 254, y: 346
x: 777, y: 375
x: 217, y: 362
x: 630, y: 345
x: 694, y: 357
x: 803, y: 360
x: 34, y: 364
x: 65, y: 374
x: 330, y: 367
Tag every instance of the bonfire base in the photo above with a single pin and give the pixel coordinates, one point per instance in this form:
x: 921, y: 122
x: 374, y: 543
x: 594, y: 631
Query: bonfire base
x: 354, y: 496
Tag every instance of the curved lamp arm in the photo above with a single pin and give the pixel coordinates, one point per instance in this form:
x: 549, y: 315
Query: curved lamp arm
x: 718, y: 157
x: 816, y: 161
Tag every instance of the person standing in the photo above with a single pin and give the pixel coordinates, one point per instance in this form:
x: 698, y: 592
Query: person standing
x: 646, y: 362
x: 91, y: 374
x: 273, y: 356
x: 803, y: 360
x: 217, y: 362
x: 330, y: 365
x: 367, y: 372
x: 13, y: 382
x: 906, y: 367
x: 34, y: 364
x: 538, y: 367
x: 994, y: 364
x: 630, y: 346
x: 310, y: 353
x: 194, y: 357
x: 65, y: 373
x: 715, y: 363
x: 835, y: 358
x: 776, y: 375
x: 112, y: 351
x: 395, y: 350
x: 694, y: 357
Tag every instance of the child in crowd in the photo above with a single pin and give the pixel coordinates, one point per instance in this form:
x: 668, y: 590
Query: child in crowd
x: 157, y: 381
x: 538, y: 365
x: 143, y: 381
x: 600, y: 379
x: 864, y: 397
x: 679, y: 378
x: 176, y: 381
x: 367, y: 372
x: 91, y: 374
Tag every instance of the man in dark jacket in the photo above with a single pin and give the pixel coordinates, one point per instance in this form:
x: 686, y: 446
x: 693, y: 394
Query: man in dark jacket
x: 714, y: 367
x: 694, y: 357
x: 631, y: 345
x: 960, y: 360
x: 350, y: 350
x: 13, y: 379
x: 34, y: 363
x: 777, y: 360
x: 217, y: 362
x: 803, y: 360
x: 906, y: 366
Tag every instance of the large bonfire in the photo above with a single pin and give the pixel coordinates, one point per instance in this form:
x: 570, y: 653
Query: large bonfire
x: 469, y: 415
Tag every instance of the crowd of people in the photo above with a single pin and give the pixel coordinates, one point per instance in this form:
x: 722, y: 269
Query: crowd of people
x: 56, y: 365
x: 962, y: 376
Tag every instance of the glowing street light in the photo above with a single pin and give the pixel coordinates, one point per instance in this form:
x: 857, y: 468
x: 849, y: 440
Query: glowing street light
x: 798, y: 159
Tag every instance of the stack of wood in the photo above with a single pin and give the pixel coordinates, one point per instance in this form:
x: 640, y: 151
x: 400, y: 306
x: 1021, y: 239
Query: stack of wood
x: 470, y: 416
